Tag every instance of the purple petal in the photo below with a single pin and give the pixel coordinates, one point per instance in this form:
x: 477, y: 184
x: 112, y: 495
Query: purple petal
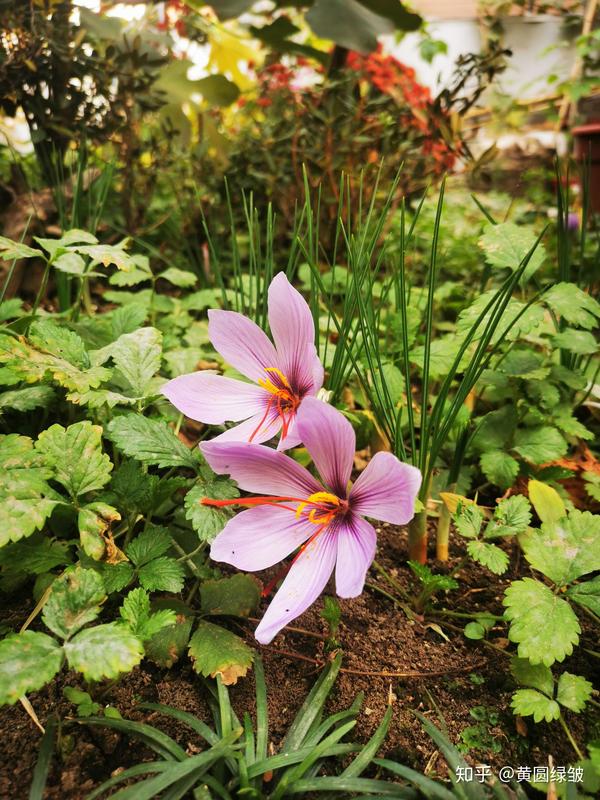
x: 292, y: 439
x: 330, y: 440
x: 257, y: 427
x: 304, y: 583
x: 293, y: 332
x: 386, y: 490
x: 214, y: 399
x: 260, y: 537
x: 242, y: 343
x: 356, y: 544
x: 260, y: 469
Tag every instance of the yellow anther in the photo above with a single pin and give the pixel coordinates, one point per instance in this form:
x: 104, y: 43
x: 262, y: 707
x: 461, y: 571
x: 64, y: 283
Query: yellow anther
x: 317, y: 498
x: 269, y: 385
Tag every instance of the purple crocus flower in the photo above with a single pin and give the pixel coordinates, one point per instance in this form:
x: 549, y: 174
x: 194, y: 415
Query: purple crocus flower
x: 324, y: 520
x: 282, y: 374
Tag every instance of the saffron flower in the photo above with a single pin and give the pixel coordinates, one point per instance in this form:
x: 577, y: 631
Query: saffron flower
x: 325, y: 520
x: 282, y: 374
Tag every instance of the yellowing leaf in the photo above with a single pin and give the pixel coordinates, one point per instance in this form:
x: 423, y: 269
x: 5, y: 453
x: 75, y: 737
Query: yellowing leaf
x: 546, y: 501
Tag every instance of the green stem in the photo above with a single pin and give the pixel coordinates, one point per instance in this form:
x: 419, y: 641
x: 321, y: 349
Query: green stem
x: 570, y: 737
x: 392, y: 581
x: 464, y: 615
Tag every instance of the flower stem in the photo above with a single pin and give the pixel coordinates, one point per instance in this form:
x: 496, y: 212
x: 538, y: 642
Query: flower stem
x: 417, y: 538
x: 570, y: 737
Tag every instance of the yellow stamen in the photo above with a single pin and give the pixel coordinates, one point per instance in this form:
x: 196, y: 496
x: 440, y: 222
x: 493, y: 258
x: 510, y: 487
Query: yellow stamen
x: 318, y: 498
x: 269, y: 385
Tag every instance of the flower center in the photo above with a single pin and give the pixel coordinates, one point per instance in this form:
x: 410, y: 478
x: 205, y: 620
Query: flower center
x: 283, y: 399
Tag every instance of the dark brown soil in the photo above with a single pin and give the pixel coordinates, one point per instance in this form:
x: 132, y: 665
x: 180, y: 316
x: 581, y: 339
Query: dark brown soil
x: 445, y: 671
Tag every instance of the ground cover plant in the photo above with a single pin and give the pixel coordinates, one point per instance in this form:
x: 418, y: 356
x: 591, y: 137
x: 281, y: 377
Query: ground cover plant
x: 148, y: 444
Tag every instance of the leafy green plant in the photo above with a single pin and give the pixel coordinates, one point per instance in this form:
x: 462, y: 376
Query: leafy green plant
x: 479, y: 736
x: 430, y: 585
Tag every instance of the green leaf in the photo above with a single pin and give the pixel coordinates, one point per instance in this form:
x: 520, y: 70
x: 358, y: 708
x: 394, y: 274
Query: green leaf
x: 155, y: 541
x: 587, y: 594
x: 34, y: 556
x: 544, y: 625
x: 33, y: 365
x: 490, y: 555
x: 208, y: 521
x: 216, y: 651
x: 115, y: 576
x: 109, y: 254
x: 168, y: 645
x: 573, y: 691
x: 506, y: 245
x: 529, y: 320
x: 468, y: 520
x: 396, y: 12
x: 76, y: 456
x: 86, y: 707
x: 580, y: 342
x: 540, y: 444
x: 26, y: 399
x: 181, y: 278
x: 535, y: 676
x: 137, y: 356
x: 26, y: 500
x: 150, y: 441
x: 104, y: 651
x: 473, y: 630
x: 495, y: 429
x: 75, y: 600
x: 528, y: 702
x: 70, y: 263
x: 573, y: 304
x: 136, y: 612
x: 237, y: 596
x: 10, y: 250
x: 566, y: 549
x: 163, y: 575
x: 94, y: 522
x: 499, y: 468
x: 28, y: 661
x: 524, y: 363
x: 59, y: 341
x: 511, y: 517
x: 547, y: 502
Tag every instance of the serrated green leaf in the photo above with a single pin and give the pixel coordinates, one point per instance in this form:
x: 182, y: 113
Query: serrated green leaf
x: 208, y: 521
x: 540, y: 444
x: 179, y: 277
x: 168, y: 645
x: 59, y: 341
x: 137, y: 356
x: 529, y: 320
x: 10, y: 250
x: 535, y: 676
x: 573, y: 304
x: 109, y: 254
x: 530, y: 703
x: 495, y: 429
x: 34, y: 365
x: 115, y: 576
x: 442, y: 353
x: 76, y: 457
x: 162, y: 575
x: 587, y: 594
x: 237, y: 596
x: 104, y: 651
x: 506, y: 245
x: 28, y: 661
x: 75, y: 600
x: 468, y: 520
x: 565, y: 421
x: 216, y: 651
x: 94, y: 521
x: 152, y: 543
x: 547, y: 502
x: 71, y: 263
x: 544, y: 625
x: 499, y: 468
x: 573, y: 691
x: 26, y: 399
x: 136, y: 612
x: 511, y: 517
x: 580, y: 342
x: 86, y: 707
x: 524, y: 363
x: 26, y: 500
x: 35, y: 555
x: 490, y: 555
x: 150, y: 441
x: 566, y: 549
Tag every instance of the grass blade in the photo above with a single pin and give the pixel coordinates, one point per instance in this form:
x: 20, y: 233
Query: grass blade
x: 369, y: 751
x: 42, y: 765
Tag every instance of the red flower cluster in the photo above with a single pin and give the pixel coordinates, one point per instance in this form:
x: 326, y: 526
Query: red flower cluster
x: 175, y: 12
x: 390, y: 76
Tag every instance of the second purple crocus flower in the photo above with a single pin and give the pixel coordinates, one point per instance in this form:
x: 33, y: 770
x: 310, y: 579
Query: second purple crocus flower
x: 282, y: 374
x: 323, y: 521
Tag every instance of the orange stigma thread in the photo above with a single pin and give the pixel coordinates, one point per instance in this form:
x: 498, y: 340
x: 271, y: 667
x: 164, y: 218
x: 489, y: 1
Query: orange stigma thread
x: 282, y: 397
x: 320, y: 508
